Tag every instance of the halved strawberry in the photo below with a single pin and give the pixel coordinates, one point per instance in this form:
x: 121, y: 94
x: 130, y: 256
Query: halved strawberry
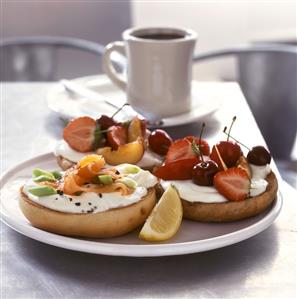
x: 200, y: 142
x: 182, y: 149
x: 79, y: 134
x: 116, y: 136
x: 179, y: 149
x: 177, y: 170
x: 232, y: 183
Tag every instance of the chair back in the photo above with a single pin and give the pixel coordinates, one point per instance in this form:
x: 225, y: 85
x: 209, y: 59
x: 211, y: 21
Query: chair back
x: 37, y: 58
x: 267, y: 75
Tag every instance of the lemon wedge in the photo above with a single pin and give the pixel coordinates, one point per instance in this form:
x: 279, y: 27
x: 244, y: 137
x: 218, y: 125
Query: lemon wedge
x: 165, y: 219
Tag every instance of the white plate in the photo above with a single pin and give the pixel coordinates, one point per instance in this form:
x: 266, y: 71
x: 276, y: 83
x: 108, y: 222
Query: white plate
x: 192, y: 237
x: 59, y: 100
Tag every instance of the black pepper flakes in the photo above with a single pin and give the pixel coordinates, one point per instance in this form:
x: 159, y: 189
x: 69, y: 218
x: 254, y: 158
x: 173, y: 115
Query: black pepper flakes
x: 90, y: 203
x: 117, y: 172
x: 70, y: 199
x: 100, y: 195
x: 56, y: 198
x: 60, y: 192
x: 77, y: 204
x: 95, y: 207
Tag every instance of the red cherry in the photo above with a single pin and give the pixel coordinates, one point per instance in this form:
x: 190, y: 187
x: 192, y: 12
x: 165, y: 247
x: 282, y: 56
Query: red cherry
x: 105, y: 122
x: 159, y: 142
x: 204, y: 172
x: 258, y: 155
x: 230, y: 152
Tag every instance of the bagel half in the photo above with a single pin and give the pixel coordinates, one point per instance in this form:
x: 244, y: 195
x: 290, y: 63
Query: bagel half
x: 107, y: 224
x: 232, y: 210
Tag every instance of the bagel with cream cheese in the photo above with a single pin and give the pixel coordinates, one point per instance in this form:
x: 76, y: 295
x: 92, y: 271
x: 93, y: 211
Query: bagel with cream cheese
x: 117, y: 142
x: 232, y: 210
x: 111, y: 223
x: 89, y: 199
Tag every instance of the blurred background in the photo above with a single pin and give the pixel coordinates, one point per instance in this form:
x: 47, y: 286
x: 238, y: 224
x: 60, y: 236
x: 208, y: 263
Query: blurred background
x: 80, y: 29
x: 219, y: 24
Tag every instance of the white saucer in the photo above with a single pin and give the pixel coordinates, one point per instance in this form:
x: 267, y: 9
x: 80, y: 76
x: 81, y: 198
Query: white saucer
x: 205, y: 101
x: 192, y: 236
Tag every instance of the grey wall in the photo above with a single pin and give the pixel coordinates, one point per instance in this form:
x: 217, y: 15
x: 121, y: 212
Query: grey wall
x: 99, y: 21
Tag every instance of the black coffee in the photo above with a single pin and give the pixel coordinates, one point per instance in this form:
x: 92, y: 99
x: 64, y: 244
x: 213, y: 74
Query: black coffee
x: 160, y: 36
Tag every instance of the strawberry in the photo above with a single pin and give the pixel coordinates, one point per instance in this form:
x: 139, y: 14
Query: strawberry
x: 182, y: 149
x: 203, y: 144
x: 232, y: 183
x: 116, y: 136
x: 177, y: 170
x: 80, y: 134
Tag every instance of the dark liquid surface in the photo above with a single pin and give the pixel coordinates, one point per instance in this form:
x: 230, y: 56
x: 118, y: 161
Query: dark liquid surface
x: 160, y: 36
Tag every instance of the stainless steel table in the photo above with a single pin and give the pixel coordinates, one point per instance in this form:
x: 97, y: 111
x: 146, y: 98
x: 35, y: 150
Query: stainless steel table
x: 263, y: 266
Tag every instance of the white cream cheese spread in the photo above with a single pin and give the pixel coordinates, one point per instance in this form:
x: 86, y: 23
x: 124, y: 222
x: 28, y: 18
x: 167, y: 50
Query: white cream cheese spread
x: 149, y: 159
x: 90, y: 202
x: 194, y: 193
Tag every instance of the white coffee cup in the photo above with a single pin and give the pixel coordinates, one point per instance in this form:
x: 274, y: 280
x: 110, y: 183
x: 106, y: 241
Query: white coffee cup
x: 159, y: 69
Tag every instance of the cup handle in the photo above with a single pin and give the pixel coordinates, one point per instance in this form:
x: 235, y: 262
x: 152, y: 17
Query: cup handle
x: 108, y: 67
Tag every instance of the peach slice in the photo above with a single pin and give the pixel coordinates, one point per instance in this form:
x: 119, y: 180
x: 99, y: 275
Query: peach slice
x: 134, y: 129
x: 127, y: 153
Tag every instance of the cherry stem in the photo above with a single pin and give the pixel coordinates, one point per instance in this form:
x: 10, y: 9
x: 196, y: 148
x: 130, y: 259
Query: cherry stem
x: 201, y: 131
x: 235, y: 139
x: 197, y: 147
x: 221, y: 159
x: 196, y: 150
x: 233, y: 120
x: 126, y: 104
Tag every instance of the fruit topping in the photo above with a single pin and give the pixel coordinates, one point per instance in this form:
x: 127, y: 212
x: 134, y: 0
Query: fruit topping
x: 182, y: 156
x: 126, y: 153
x: 203, y: 144
x: 135, y: 129
x: 177, y: 170
x: 204, y: 172
x: 165, y: 219
x: 159, y: 142
x: 233, y: 183
x: 243, y: 164
x: 116, y: 136
x: 80, y: 134
x: 258, y: 155
x: 182, y: 149
x: 229, y: 151
x: 106, y: 122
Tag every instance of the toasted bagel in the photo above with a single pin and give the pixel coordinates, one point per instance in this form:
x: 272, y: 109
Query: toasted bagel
x: 232, y: 210
x: 110, y: 223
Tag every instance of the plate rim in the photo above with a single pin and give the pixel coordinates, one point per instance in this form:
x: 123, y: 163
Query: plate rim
x: 132, y: 250
x: 167, y: 121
